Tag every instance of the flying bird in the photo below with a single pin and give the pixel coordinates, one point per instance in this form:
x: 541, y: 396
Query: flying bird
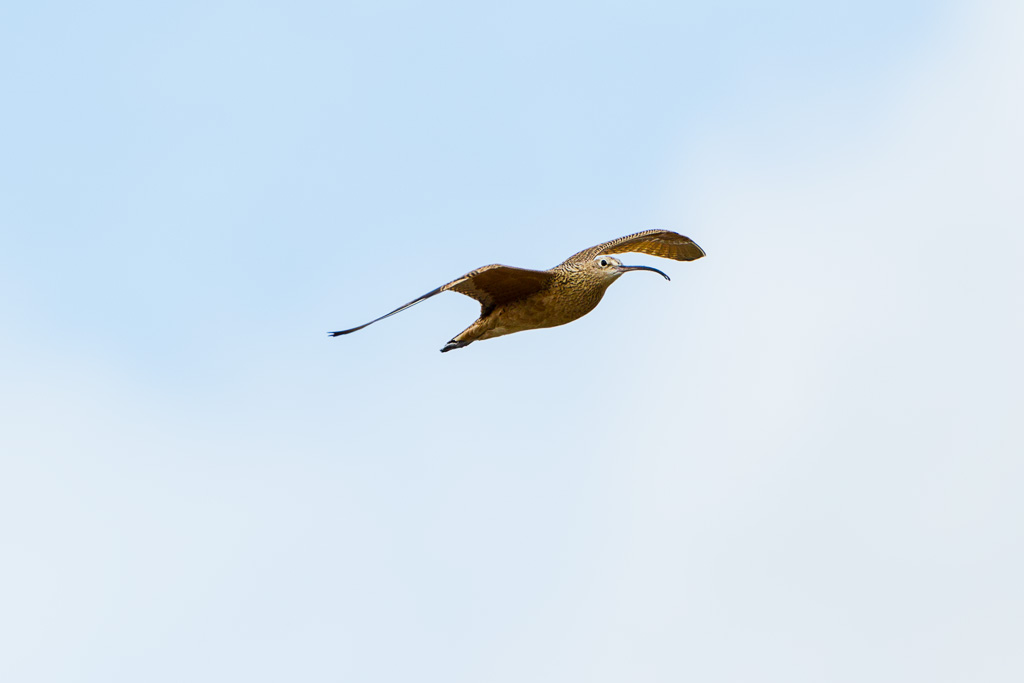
x: 518, y: 299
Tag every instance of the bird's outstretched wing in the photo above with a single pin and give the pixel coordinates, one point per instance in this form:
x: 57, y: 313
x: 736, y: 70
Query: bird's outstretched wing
x: 495, y: 285
x: 663, y: 243
x: 491, y: 285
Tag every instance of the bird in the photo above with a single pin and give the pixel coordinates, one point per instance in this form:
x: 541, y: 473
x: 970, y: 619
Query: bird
x: 518, y: 299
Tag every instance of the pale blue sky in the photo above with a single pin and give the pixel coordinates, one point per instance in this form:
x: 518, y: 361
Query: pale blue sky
x: 798, y: 461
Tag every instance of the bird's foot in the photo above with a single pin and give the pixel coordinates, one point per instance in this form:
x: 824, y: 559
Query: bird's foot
x: 454, y: 345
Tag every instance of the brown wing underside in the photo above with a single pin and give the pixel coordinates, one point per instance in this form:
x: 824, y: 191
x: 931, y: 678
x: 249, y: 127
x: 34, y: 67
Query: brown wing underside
x: 496, y: 285
x: 492, y: 286
x: 662, y: 243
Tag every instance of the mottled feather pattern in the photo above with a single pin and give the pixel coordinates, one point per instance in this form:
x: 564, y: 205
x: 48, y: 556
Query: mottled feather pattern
x: 516, y: 299
x: 661, y: 243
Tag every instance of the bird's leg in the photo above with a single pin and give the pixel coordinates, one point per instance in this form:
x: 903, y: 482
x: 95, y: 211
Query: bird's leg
x: 453, y: 344
x: 468, y: 335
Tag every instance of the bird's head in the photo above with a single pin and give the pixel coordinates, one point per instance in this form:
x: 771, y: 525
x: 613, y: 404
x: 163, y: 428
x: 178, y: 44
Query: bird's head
x: 609, y: 269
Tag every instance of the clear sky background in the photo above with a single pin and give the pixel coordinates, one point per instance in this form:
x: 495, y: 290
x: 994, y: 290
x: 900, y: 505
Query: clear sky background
x: 801, y: 460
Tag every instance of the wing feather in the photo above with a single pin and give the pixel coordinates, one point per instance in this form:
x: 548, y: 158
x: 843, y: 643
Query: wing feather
x: 491, y: 285
x: 496, y: 285
x: 661, y: 243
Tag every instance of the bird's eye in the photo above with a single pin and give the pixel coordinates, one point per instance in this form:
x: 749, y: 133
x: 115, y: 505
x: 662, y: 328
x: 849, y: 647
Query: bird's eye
x: 604, y: 263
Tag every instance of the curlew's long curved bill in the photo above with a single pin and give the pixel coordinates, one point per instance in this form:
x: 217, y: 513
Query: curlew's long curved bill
x: 625, y: 269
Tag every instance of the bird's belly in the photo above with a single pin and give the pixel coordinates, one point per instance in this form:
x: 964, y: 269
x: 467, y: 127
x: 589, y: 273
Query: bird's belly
x: 532, y: 315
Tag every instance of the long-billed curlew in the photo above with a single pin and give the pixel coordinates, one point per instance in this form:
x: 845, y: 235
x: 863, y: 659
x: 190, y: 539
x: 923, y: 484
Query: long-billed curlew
x: 517, y: 299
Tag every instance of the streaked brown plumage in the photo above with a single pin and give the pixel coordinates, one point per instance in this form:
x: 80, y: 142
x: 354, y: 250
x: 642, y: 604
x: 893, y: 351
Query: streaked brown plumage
x: 518, y: 299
